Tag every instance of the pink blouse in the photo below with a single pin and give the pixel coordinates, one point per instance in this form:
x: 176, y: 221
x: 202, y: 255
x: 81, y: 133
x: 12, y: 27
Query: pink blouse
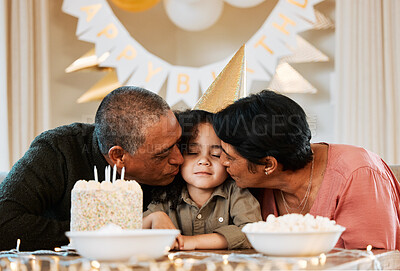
x: 359, y: 192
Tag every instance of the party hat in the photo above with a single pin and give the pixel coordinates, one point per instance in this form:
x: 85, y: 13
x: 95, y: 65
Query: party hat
x: 229, y: 85
x: 101, y: 88
x: 88, y: 60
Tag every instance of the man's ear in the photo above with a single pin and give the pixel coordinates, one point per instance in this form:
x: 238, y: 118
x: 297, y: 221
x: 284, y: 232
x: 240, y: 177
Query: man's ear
x: 116, y: 155
x: 271, y: 164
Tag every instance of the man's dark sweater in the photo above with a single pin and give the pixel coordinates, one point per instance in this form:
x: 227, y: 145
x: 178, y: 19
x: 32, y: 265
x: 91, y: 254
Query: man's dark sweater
x: 35, y: 198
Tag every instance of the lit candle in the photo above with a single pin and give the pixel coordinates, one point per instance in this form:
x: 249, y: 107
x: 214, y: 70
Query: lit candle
x: 106, y: 174
x: 123, y: 173
x: 18, y: 244
x: 114, y: 173
x: 96, y: 177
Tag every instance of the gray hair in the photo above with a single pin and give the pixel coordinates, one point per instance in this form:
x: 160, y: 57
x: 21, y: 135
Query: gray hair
x: 124, y: 116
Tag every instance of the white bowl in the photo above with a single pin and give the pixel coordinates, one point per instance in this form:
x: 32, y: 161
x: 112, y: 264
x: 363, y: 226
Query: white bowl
x: 122, y: 245
x: 294, y: 244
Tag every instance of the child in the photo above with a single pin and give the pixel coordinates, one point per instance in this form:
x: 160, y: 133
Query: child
x: 203, y: 201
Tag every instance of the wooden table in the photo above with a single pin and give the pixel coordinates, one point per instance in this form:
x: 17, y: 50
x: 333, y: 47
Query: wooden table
x: 211, y: 260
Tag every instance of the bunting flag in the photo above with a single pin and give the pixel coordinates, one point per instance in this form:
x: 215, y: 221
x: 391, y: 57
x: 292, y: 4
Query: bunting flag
x: 288, y: 80
x: 304, y: 52
x: 275, y: 41
x: 322, y: 21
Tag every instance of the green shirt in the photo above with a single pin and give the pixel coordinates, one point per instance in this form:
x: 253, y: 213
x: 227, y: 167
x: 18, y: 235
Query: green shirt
x: 226, y: 212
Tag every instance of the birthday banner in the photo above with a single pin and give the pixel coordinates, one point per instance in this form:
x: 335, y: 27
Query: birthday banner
x: 134, y: 65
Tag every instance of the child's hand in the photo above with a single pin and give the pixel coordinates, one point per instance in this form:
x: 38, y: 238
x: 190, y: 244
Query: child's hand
x: 178, y: 242
x: 186, y: 242
x: 160, y: 220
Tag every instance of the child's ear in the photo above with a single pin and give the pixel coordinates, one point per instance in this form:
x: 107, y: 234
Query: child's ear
x: 270, y: 163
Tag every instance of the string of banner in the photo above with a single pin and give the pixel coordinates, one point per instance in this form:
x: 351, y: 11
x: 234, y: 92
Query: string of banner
x: 268, y: 52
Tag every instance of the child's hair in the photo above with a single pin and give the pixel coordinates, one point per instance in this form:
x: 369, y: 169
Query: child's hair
x: 189, y: 121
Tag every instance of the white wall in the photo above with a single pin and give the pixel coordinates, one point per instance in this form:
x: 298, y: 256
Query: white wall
x: 4, y: 157
x: 156, y: 33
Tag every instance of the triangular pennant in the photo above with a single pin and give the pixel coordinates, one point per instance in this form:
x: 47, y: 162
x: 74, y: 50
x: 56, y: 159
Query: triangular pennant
x: 304, y: 52
x: 288, y: 80
x: 183, y: 85
x: 151, y: 74
x: 322, y: 22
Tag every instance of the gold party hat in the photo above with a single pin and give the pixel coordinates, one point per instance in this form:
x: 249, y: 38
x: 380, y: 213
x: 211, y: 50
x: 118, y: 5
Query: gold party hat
x: 88, y: 60
x: 229, y: 85
x: 101, y: 88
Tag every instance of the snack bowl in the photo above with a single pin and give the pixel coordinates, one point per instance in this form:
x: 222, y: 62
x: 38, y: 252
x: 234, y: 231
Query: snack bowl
x: 141, y: 244
x: 294, y: 244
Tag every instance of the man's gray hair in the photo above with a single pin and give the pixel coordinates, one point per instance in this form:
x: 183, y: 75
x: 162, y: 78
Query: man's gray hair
x: 124, y: 115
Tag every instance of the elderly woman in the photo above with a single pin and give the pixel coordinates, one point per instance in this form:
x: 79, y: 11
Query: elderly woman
x: 266, y: 145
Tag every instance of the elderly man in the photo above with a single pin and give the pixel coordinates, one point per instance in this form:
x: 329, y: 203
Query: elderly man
x: 134, y: 128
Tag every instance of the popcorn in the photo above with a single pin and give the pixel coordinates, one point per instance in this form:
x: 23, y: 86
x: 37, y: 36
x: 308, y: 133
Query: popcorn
x: 293, y: 223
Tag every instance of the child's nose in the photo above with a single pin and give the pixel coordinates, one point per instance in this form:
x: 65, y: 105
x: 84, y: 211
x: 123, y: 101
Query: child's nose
x: 203, y: 162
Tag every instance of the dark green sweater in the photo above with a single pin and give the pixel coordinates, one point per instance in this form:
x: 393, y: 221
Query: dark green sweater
x: 35, y: 198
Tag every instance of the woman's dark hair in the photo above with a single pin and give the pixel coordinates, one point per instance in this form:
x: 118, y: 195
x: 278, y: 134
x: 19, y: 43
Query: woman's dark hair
x: 266, y: 124
x: 189, y: 121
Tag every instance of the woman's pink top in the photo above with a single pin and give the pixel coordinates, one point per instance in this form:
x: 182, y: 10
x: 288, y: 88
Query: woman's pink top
x: 359, y: 192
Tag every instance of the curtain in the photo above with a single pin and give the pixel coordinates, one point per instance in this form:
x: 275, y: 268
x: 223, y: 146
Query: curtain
x: 28, y: 95
x: 367, y: 59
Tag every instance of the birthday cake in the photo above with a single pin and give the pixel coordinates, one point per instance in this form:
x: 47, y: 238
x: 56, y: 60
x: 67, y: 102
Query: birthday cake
x: 95, y: 205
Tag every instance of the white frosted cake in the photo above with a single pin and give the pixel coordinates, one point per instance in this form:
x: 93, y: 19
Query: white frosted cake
x: 95, y: 205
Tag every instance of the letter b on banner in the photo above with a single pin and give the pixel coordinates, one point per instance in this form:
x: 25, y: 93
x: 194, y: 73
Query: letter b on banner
x: 183, y: 86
